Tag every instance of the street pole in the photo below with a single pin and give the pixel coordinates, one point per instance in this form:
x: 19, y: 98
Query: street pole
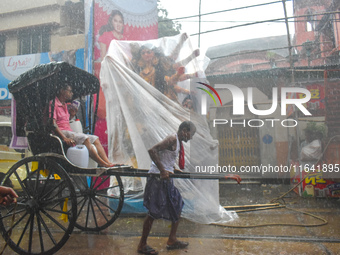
x: 199, y: 25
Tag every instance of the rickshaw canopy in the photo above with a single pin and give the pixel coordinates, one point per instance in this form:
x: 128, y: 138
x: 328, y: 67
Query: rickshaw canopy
x: 46, y: 80
x: 34, y: 89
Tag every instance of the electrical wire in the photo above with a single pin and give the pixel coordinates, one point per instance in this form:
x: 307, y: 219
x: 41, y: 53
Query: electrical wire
x: 228, y: 10
x: 263, y: 21
x: 246, y: 23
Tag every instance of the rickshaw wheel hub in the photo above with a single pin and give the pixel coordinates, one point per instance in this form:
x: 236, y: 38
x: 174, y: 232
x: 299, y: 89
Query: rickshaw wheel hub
x: 32, y: 205
x: 89, y: 193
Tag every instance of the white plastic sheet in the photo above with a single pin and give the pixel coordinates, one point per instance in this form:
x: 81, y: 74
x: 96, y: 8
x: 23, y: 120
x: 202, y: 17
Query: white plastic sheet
x: 139, y: 116
x: 311, y: 151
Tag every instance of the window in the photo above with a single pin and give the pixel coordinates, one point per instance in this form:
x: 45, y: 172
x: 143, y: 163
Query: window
x: 2, y: 46
x: 310, y: 21
x: 34, y: 41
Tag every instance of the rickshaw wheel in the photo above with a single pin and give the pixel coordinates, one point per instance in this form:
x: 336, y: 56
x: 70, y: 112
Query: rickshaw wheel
x: 45, y: 213
x: 99, y: 204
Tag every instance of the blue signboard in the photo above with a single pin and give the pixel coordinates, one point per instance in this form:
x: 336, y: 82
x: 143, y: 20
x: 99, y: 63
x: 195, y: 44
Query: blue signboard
x: 12, y: 66
x: 267, y: 139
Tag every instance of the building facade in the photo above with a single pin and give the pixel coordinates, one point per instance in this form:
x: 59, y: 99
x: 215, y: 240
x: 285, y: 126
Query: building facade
x: 34, y: 31
x: 309, y: 60
x: 37, y: 26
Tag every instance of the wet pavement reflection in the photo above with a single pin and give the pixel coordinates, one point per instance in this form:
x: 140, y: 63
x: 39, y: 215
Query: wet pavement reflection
x: 122, y: 237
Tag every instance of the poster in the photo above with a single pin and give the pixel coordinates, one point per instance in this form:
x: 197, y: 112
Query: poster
x: 116, y: 20
x: 12, y: 66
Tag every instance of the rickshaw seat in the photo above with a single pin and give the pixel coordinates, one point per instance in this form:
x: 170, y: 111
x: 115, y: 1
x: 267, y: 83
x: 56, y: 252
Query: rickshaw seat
x: 46, y: 142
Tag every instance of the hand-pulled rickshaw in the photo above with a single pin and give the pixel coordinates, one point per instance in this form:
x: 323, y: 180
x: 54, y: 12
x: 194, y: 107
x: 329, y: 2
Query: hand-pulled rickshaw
x: 54, y: 194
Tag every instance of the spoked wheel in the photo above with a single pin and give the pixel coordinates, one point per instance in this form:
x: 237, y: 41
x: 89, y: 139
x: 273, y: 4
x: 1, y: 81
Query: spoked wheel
x: 43, y: 218
x: 99, y: 205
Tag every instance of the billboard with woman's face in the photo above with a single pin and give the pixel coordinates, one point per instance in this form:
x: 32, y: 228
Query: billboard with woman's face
x: 108, y: 20
x: 123, y: 20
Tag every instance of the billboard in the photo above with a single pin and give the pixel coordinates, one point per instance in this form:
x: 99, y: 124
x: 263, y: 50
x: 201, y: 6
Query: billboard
x: 108, y: 20
x: 12, y: 66
x: 123, y: 20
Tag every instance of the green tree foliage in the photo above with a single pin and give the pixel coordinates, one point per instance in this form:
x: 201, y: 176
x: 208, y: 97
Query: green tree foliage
x: 316, y: 130
x: 166, y: 27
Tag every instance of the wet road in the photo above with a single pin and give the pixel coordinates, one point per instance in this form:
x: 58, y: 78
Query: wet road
x: 123, y: 236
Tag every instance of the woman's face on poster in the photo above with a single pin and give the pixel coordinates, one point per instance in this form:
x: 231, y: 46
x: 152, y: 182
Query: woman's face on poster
x: 117, y: 23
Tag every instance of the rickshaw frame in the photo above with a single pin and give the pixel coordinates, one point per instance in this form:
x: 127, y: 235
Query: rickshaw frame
x: 53, y: 192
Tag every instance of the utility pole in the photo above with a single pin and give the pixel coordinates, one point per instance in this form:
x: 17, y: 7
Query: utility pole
x: 199, y: 25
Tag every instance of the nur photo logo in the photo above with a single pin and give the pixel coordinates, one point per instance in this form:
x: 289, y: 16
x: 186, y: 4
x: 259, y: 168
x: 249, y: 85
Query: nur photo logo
x: 208, y: 92
x: 239, y: 103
